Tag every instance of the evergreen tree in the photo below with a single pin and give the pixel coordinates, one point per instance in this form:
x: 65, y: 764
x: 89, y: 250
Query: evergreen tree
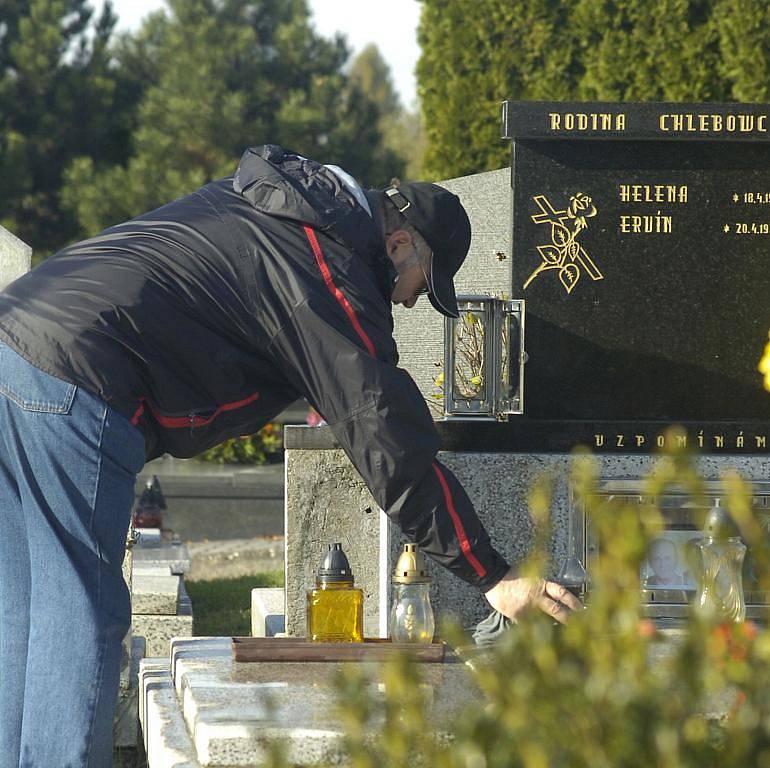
x: 403, y: 142
x: 407, y: 138
x: 478, y: 53
x: 744, y: 45
x: 371, y: 73
x: 56, y: 91
x: 656, y: 50
x: 230, y: 73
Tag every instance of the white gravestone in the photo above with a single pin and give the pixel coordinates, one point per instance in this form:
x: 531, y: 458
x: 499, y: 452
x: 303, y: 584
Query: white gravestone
x: 15, y: 257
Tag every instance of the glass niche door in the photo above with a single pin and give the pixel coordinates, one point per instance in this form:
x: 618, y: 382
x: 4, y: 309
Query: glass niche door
x: 668, y: 575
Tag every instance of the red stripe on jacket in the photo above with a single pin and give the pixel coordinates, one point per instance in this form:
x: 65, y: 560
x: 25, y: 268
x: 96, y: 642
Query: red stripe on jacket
x: 465, y: 545
x: 179, y: 422
x: 336, y: 292
x: 138, y: 413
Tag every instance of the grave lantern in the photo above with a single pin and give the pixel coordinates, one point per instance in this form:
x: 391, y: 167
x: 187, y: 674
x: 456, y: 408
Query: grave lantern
x: 484, y: 359
x: 720, y: 575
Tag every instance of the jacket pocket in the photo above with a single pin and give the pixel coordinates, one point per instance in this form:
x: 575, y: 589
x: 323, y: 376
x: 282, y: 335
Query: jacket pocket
x: 187, y: 433
x: 32, y: 389
x: 198, y: 417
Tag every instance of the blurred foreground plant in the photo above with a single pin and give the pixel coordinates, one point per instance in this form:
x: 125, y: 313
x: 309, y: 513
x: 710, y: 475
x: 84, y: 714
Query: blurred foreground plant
x: 606, y: 690
x: 764, y: 366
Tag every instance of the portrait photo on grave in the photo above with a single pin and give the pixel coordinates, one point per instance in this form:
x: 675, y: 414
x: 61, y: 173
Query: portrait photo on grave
x: 671, y: 561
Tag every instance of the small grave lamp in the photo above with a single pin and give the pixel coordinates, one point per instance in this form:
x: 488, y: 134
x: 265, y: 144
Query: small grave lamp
x: 573, y: 573
x: 411, y: 614
x: 720, y: 581
x: 484, y: 359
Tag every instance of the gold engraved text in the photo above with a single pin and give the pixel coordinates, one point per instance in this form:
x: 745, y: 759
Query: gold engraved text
x: 705, y: 123
x: 653, y: 193
x: 592, y: 121
x: 763, y: 198
x: 663, y: 440
x: 645, y: 225
x: 752, y: 228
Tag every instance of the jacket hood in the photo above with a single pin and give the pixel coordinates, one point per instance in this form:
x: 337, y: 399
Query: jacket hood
x: 286, y: 185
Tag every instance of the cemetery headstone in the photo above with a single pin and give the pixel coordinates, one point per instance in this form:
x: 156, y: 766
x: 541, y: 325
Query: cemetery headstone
x: 640, y: 236
x: 15, y: 257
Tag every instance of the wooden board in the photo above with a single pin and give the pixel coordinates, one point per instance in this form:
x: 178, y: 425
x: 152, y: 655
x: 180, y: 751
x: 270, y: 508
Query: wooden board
x: 300, y: 649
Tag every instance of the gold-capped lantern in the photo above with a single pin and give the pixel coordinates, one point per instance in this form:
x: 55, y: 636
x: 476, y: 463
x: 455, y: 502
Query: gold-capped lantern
x: 484, y: 359
x: 410, y: 568
x: 411, y: 614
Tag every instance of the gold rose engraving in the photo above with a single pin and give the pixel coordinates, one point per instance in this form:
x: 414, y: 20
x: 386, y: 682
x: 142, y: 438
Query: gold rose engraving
x: 564, y: 253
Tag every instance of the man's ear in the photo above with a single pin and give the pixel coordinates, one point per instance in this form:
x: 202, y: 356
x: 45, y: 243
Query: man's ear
x: 397, y: 238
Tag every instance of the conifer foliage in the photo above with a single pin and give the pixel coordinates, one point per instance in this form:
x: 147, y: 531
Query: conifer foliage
x: 57, y: 94
x: 229, y: 74
x: 98, y: 127
x: 478, y: 53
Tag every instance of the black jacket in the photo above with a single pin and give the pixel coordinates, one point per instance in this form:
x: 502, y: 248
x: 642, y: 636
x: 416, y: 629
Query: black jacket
x: 203, y: 319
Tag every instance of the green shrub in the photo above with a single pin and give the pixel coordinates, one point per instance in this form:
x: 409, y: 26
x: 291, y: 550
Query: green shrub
x: 251, y: 449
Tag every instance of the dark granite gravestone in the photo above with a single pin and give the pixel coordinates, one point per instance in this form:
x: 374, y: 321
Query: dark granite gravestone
x: 641, y: 245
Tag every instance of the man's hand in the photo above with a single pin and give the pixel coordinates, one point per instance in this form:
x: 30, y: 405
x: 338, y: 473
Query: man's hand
x: 512, y: 595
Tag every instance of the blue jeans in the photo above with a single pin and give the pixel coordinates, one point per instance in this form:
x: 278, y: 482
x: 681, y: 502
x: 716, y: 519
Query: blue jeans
x: 68, y: 464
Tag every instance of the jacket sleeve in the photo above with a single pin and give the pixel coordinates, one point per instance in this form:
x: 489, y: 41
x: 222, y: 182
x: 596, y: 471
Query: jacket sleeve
x: 381, y: 420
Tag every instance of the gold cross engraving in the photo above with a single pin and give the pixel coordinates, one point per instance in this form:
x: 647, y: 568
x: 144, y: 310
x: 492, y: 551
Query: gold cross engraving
x: 564, y: 253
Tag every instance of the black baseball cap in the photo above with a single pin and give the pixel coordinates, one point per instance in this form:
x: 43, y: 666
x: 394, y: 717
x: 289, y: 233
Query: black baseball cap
x: 440, y: 218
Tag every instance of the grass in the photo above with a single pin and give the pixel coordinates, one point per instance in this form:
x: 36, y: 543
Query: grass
x: 222, y: 607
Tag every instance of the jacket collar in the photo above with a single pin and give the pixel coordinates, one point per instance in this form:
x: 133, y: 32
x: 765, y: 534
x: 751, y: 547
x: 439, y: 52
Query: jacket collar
x: 281, y: 183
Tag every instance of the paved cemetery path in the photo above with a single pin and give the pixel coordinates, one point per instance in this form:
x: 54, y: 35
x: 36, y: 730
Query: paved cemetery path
x: 230, y: 558
x: 208, y: 502
x: 230, y: 518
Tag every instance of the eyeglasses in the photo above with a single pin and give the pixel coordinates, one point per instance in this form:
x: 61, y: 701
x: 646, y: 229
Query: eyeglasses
x: 426, y: 289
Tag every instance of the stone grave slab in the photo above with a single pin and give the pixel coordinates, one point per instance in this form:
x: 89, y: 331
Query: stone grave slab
x: 156, y: 594
x: 15, y: 257
x: 327, y: 502
x: 166, y: 740
x: 230, y: 708
x: 149, y: 537
x: 268, y: 611
x: 159, y: 629
x: 161, y: 557
x: 161, y: 607
x: 245, y: 501
x: 419, y: 332
x: 202, y: 710
x: 639, y: 245
x: 498, y: 482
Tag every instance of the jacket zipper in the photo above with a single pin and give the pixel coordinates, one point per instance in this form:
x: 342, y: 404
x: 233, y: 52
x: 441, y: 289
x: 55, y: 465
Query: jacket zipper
x: 192, y: 419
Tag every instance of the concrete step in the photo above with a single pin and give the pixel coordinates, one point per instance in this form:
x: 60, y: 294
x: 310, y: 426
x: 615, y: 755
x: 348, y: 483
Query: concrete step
x: 166, y: 740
